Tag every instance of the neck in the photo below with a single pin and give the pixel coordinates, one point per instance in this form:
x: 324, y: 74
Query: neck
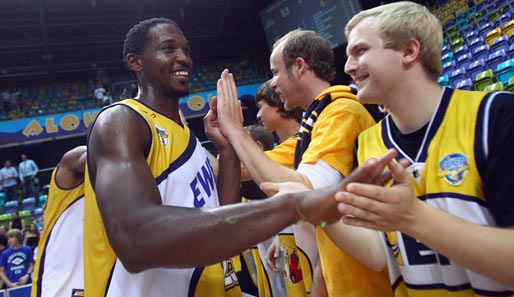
x: 287, y: 129
x: 166, y: 105
x: 313, y: 86
x: 412, y: 109
x: 16, y: 246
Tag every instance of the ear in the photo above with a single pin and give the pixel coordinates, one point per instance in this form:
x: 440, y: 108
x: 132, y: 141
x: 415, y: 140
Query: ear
x: 411, y: 51
x: 300, y: 66
x: 134, y: 62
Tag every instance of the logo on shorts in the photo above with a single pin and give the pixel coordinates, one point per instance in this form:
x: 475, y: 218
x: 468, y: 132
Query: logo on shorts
x: 162, y: 134
x: 453, y: 167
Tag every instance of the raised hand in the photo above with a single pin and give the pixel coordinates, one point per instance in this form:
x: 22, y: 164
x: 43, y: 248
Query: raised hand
x: 212, y: 127
x: 230, y: 115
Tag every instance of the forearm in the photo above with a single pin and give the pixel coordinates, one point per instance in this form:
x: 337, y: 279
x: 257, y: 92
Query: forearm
x: 228, y: 182
x: 362, y: 244
x: 259, y: 166
x: 198, y: 237
x: 486, y: 250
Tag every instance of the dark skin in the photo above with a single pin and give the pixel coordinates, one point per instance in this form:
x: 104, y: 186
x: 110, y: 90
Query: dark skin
x: 71, y: 168
x: 128, y: 197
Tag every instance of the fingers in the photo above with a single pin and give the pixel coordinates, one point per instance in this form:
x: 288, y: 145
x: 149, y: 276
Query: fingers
x: 272, y: 256
x: 270, y: 188
x: 399, y: 173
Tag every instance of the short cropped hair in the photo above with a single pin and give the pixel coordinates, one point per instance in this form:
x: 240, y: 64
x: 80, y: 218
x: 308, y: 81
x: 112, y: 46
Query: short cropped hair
x: 400, y: 22
x: 310, y: 46
x: 266, y: 94
x: 14, y: 233
x: 138, y: 36
x: 259, y: 133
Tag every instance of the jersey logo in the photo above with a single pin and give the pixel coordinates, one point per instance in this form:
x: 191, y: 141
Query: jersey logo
x: 292, y: 267
x: 162, y: 134
x: 453, y: 167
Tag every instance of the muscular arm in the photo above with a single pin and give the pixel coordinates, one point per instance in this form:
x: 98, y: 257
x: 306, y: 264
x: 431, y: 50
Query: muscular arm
x: 130, y: 203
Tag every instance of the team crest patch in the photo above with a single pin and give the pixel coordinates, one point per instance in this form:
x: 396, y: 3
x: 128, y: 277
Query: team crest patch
x: 162, y: 134
x: 453, y: 168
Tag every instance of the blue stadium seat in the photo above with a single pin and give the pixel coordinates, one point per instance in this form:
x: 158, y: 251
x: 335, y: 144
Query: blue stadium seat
x: 28, y: 204
x: 501, y: 42
x: 496, y: 58
x: 447, y: 57
x: 481, y: 52
x: 483, y: 29
x: 444, y: 81
x: 505, y: 71
x: 465, y: 84
x: 464, y: 60
x: 42, y: 200
x: 475, y: 68
x: 510, y: 86
x: 37, y: 213
x: 457, y: 75
x: 449, y: 67
x: 11, y: 206
x: 446, y: 49
x: 475, y: 43
x: 460, y: 52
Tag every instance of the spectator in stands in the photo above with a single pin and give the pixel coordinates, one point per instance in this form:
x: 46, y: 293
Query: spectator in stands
x: 123, y: 95
x: 16, y: 262
x: 99, y: 94
x: 62, y: 239
x: 16, y: 221
x: 3, y: 243
x: 6, y: 100
x: 3, y: 230
x: 31, y: 236
x: 108, y: 99
x: 133, y: 90
x: 103, y: 78
x: 447, y: 220
x: 172, y: 208
x: 8, y: 179
x: 28, y: 170
x: 302, y: 67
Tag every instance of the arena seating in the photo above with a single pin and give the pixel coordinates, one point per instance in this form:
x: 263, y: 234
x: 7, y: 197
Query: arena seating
x: 78, y: 95
x: 484, y: 57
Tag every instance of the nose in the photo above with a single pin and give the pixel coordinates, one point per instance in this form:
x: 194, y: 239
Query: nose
x: 259, y: 114
x: 273, y: 83
x: 350, y: 66
x: 184, y: 57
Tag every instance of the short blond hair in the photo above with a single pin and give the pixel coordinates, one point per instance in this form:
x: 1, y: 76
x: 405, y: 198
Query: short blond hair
x: 14, y: 233
x: 400, y: 22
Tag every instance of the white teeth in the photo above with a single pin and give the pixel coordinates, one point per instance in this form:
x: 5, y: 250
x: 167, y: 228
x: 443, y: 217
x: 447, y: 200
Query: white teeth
x: 180, y: 73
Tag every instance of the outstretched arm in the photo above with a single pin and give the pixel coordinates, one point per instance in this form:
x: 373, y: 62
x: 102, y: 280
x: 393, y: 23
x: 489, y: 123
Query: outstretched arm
x: 260, y: 167
x: 397, y: 208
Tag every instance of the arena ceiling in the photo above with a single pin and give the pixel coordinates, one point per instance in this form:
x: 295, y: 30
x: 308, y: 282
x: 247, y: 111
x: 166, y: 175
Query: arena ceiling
x: 49, y: 40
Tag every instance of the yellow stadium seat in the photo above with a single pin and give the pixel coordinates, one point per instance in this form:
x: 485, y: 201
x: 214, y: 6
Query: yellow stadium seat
x: 492, y: 35
x: 508, y: 29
